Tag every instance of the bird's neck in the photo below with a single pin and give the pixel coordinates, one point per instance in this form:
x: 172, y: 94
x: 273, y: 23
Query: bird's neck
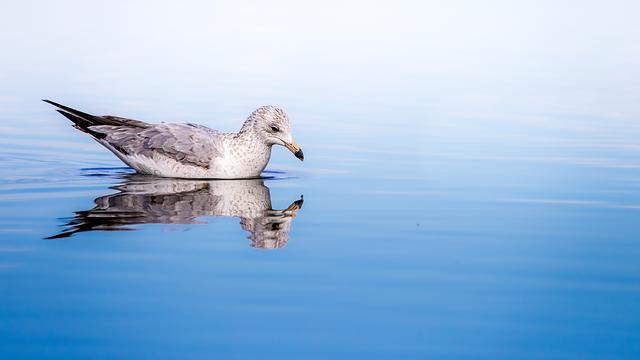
x: 252, y: 138
x: 249, y: 125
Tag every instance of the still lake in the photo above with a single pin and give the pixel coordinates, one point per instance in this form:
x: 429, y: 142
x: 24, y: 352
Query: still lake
x: 421, y: 235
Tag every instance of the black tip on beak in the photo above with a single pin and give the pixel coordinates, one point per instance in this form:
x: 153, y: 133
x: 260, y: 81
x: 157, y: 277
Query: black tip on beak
x: 299, y: 155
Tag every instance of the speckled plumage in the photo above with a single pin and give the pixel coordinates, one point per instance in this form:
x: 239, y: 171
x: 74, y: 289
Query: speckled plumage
x: 190, y: 150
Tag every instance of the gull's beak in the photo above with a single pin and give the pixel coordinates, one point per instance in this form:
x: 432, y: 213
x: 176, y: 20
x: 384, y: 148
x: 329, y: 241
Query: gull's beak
x: 295, y: 149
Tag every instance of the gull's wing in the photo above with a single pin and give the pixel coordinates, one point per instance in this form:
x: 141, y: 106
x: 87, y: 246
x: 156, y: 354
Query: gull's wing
x: 187, y: 143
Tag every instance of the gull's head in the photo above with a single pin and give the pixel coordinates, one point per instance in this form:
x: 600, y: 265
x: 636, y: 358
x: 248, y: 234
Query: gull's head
x: 272, y: 124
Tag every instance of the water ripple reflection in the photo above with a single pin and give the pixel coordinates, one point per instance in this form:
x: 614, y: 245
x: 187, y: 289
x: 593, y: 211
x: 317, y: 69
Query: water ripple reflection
x: 150, y: 200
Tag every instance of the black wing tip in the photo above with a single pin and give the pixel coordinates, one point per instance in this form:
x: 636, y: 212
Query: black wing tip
x: 84, y: 120
x: 87, y: 119
x: 68, y: 115
x: 62, y: 235
x: 79, y: 123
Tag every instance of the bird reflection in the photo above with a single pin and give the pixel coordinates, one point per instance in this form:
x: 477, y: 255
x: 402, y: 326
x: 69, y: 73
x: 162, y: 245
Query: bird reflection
x: 148, y: 200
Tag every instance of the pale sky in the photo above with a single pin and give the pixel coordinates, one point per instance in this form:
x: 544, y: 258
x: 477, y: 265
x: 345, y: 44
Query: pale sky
x: 577, y: 55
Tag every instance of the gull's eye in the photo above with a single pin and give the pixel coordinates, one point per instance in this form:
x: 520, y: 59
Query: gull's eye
x: 275, y: 129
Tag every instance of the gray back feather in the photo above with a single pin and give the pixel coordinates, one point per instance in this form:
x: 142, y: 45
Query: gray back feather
x: 186, y: 143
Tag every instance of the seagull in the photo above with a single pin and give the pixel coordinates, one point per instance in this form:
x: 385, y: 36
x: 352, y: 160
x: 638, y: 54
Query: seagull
x: 189, y: 150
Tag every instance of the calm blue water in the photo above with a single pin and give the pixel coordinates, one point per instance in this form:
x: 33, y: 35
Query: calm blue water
x: 502, y: 249
x: 470, y: 189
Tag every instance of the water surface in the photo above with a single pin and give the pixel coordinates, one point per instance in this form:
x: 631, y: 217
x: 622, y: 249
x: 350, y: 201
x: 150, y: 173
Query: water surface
x: 402, y: 250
